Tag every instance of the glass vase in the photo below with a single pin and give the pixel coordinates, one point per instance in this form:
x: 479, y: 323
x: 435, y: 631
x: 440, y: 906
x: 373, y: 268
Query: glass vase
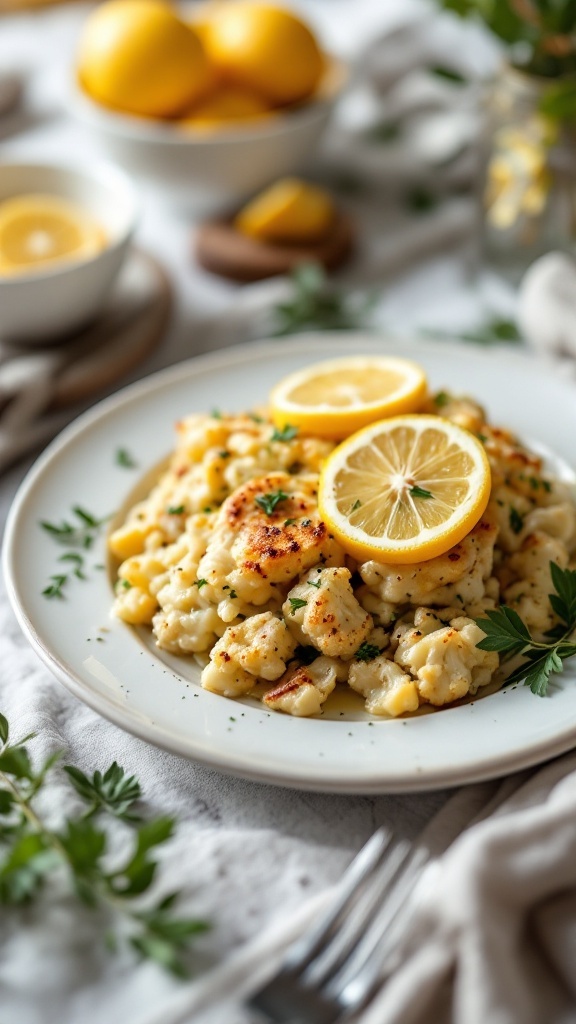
x: 529, y: 181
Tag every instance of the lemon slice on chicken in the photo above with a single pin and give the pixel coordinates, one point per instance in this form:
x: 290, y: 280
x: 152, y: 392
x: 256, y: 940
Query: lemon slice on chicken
x: 339, y: 396
x: 405, y: 489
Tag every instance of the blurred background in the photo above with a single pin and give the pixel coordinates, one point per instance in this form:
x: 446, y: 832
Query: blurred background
x: 398, y: 165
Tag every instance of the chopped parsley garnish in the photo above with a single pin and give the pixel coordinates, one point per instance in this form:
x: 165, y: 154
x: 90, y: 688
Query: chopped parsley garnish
x: 216, y: 414
x: 224, y: 454
x: 367, y: 652
x: 126, y: 584
x: 207, y: 509
x: 356, y: 505
x: 255, y: 418
x: 314, y: 583
x: 507, y: 633
x: 482, y: 437
x: 268, y: 502
x: 290, y: 522
x: 306, y: 522
x: 288, y: 433
x: 547, y: 486
x: 175, y: 510
x: 442, y: 398
x: 200, y: 583
x: 516, y: 520
x: 124, y: 459
x: 296, y: 603
x: 420, y: 492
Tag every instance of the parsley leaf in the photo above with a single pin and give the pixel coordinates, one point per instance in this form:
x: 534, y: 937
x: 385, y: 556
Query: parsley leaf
x: 367, y: 652
x: 420, y: 492
x: 268, y: 502
x: 124, y: 459
x: 296, y: 603
x: 288, y: 433
x: 506, y: 633
x: 516, y: 520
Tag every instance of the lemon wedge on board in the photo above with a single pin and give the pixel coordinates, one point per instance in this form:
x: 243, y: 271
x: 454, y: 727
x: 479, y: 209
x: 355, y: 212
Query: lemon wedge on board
x: 404, y: 490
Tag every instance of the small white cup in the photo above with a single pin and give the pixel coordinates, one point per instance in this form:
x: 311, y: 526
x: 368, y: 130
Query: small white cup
x: 44, y: 304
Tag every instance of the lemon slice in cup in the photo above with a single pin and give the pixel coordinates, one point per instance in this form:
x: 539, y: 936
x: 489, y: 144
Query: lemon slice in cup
x: 335, y: 398
x: 404, y: 490
x: 39, y: 230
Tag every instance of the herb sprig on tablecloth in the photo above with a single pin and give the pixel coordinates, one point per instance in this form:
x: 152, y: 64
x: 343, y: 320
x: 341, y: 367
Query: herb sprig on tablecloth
x: 31, y: 852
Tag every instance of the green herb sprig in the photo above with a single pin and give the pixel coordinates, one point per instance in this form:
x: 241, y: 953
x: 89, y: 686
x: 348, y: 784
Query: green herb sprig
x: 318, y: 305
x: 507, y: 633
x: 420, y: 492
x: 367, y: 652
x: 33, y: 852
x: 74, y: 535
x: 268, y: 502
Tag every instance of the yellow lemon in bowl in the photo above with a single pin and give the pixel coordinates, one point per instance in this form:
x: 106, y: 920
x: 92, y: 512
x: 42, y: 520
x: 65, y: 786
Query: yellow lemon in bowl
x: 226, y: 104
x: 139, y: 57
x: 265, y: 48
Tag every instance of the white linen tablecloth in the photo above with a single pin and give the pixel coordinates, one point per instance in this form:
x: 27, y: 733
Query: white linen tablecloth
x: 248, y: 857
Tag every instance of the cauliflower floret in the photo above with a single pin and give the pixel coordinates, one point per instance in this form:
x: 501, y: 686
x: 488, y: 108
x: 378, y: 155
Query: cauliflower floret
x: 187, y: 631
x: 460, y: 409
x: 261, y: 645
x: 459, y: 574
x: 511, y: 510
x: 556, y: 520
x: 302, y: 691
x: 387, y: 688
x: 321, y: 610
x: 530, y: 568
x: 446, y: 663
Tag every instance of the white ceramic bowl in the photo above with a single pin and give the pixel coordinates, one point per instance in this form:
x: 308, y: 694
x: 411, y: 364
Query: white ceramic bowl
x: 205, y: 170
x: 44, y: 304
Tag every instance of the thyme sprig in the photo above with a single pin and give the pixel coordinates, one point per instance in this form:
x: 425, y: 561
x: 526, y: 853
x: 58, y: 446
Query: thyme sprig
x: 78, y: 536
x: 32, y: 852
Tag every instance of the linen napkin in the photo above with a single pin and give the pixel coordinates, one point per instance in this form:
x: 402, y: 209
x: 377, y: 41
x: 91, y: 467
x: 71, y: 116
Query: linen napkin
x: 491, y: 936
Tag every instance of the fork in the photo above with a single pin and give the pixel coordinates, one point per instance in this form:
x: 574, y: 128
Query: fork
x: 337, y: 967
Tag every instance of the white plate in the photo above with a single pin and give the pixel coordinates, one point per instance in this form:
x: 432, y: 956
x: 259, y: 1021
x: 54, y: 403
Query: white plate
x: 159, y: 698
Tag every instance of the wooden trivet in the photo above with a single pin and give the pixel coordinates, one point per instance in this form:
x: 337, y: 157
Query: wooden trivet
x: 223, y: 250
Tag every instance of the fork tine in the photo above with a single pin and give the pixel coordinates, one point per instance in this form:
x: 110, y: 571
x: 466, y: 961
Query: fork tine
x: 335, y: 969
x: 365, y: 967
x: 364, y: 864
x: 367, y: 906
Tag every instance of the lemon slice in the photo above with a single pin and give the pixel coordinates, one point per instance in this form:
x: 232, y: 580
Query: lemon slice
x: 37, y: 230
x: 289, y: 211
x: 404, y: 490
x: 337, y: 397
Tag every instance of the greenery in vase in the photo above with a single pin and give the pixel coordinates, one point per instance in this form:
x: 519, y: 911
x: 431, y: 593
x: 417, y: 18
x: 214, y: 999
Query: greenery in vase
x: 541, y: 39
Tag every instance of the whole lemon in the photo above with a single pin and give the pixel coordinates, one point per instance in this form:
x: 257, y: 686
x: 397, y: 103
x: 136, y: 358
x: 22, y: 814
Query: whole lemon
x: 265, y: 48
x: 137, y: 56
